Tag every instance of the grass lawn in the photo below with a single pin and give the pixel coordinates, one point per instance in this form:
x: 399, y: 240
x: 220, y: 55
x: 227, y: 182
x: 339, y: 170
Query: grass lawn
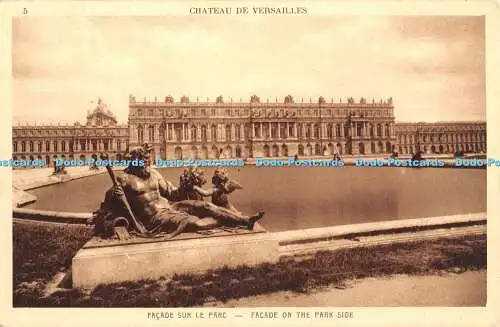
x: 41, y: 250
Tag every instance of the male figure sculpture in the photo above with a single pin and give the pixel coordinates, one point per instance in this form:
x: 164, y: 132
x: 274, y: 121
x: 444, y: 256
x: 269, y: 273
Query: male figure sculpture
x: 148, y: 194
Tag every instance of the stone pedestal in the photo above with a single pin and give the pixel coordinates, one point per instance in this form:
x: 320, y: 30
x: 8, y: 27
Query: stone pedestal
x: 93, y: 264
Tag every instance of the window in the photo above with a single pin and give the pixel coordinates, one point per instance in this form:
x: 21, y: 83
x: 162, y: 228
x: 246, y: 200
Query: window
x: 274, y: 130
x: 290, y: 130
x: 140, y: 134
x: 213, y: 132
x: 203, y: 133
x: 186, y: 131
x: 151, y: 133
x: 194, y: 133
x: 283, y: 130
x: 316, y: 131
x: 256, y: 130
x: 162, y: 132
x: 237, y: 131
x: 178, y: 132
x: 265, y: 130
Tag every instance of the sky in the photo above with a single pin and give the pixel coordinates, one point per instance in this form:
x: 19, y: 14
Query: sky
x: 432, y: 66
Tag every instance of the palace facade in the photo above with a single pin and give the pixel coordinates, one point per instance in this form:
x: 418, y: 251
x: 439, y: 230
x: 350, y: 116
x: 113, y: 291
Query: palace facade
x: 220, y: 129
x: 441, y: 137
x: 100, y: 133
x: 179, y: 130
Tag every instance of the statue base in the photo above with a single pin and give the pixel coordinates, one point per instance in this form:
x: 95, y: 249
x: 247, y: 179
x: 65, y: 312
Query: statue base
x: 111, y: 261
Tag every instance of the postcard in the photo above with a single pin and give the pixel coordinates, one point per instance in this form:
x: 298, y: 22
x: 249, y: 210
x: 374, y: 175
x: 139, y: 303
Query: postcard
x: 310, y: 164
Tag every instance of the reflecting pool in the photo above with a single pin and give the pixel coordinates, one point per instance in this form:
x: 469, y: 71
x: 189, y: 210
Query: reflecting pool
x: 295, y: 198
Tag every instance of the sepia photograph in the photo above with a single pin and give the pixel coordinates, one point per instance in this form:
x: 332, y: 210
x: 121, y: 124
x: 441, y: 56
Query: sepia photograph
x: 252, y: 157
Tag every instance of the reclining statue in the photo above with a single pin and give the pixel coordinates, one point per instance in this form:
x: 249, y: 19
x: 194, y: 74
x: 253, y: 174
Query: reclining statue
x: 143, y: 201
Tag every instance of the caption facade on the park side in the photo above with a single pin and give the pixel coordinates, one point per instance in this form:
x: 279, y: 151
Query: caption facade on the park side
x: 237, y: 129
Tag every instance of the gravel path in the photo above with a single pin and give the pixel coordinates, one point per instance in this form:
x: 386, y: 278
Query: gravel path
x: 465, y: 289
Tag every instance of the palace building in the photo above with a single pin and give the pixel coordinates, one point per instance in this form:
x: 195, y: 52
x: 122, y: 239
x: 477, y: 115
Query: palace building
x: 194, y: 129
x: 441, y: 137
x: 100, y: 133
x: 253, y: 129
x: 219, y: 129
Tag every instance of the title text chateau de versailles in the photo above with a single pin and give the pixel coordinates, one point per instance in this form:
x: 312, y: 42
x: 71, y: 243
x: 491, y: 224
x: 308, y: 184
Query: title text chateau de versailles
x: 225, y: 129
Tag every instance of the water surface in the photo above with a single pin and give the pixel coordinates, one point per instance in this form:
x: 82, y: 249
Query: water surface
x: 295, y: 198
